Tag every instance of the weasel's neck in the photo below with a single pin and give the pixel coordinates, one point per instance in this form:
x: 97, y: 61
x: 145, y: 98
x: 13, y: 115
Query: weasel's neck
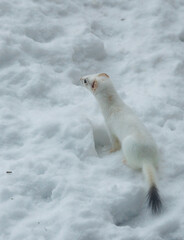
x: 109, y: 101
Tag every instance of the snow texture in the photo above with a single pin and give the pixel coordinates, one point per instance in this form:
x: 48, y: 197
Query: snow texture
x: 58, y: 180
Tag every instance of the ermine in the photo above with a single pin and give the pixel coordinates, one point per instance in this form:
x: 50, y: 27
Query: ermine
x: 128, y: 133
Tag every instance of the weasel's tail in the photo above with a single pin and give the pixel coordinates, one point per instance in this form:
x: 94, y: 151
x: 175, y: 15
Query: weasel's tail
x: 153, y: 197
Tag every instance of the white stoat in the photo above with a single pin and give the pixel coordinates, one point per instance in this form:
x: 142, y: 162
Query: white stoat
x: 127, y: 132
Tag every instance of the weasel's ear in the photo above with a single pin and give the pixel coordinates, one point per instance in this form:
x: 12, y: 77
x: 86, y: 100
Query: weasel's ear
x: 94, y: 85
x: 103, y: 75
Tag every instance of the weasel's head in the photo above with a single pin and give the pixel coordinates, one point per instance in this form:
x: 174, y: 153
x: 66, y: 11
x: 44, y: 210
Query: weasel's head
x: 96, y: 82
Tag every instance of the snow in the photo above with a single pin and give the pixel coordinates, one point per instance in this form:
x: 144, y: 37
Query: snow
x: 58, y: 180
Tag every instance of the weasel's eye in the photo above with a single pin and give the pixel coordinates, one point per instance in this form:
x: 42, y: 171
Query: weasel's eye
x: 85, y: 81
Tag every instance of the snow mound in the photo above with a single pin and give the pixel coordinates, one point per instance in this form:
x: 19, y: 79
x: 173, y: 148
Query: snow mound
x: 89, y: 47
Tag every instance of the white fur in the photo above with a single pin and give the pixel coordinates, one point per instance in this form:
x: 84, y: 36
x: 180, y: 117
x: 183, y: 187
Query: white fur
x: 125, y: 129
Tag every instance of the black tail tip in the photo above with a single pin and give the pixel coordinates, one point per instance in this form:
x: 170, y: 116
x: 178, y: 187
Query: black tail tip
x: 154, y: 200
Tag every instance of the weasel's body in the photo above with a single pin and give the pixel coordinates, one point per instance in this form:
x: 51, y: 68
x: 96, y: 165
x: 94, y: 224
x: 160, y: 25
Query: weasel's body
x: 127, y: 132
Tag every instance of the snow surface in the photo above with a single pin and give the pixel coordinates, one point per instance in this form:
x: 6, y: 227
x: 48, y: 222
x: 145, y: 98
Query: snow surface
x: 62, y: 182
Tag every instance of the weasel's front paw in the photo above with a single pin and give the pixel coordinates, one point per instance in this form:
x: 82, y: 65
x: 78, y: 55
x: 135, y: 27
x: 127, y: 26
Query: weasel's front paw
x: 114, y: 150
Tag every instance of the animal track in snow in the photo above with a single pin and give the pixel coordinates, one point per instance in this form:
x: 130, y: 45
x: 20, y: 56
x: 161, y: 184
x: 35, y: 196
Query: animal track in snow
x: 127, y: 207
x: 43, y: 33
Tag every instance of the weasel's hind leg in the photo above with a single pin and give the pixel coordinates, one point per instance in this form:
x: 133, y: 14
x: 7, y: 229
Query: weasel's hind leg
x: 125, y: 162
x: 131, y: 151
